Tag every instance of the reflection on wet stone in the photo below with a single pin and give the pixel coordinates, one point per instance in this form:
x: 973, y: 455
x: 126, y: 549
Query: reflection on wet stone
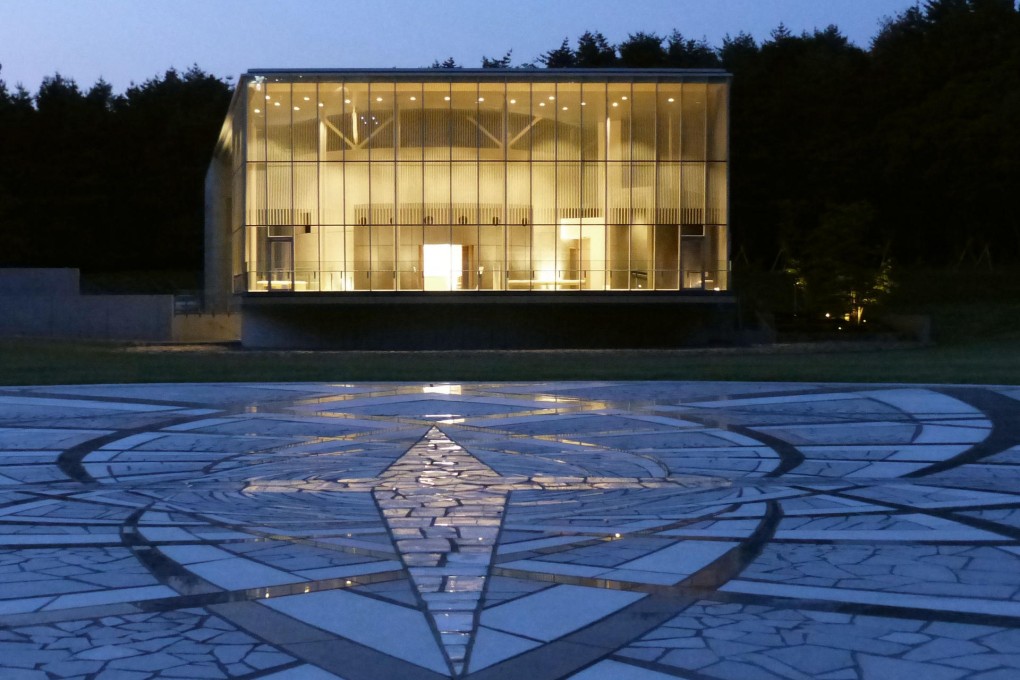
x: 556, y: 530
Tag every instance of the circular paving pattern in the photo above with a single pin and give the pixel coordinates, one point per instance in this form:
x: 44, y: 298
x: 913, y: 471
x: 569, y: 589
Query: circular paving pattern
x: 624, y: 531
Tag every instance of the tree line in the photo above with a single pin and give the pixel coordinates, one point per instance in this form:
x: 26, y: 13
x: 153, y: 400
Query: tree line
x: 907, y: 149
x: 107, y: 182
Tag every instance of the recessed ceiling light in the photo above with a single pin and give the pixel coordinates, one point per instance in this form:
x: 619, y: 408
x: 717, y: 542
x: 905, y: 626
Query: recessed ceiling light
x: 446, y: 98
x: 297, y: 108
x: 551, y: 97
x: 276, y: 103
x: 258, y: 110
x: 347, y: 101
x: 623, y: 98
x: 481, y: 99
x: 306, y: 99
x: 268, y: 97
x: 541, y: 103
x: 414, y: 99
x: 615, y: 104
x: 564, y: 108
x: 584, y: 104
x: 670, y: 100
x: 321, y: 105
x: 378, y: 99
x: 513, y: 101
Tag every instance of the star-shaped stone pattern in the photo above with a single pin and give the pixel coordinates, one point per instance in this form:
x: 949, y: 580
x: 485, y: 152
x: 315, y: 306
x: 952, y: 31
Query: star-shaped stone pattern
x: 548, y: 531
x: 444, y: 509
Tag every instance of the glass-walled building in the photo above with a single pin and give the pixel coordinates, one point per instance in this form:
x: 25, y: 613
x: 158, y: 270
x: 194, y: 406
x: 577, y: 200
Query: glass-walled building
x: 475, y: 180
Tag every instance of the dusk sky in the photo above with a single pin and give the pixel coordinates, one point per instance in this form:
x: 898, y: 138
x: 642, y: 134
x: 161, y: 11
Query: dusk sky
x: 132, y: 40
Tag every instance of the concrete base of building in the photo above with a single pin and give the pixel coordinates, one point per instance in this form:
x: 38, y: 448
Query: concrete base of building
x: 480, y: 320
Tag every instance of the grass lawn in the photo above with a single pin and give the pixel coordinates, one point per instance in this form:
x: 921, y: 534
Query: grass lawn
x: 976, y: 319
x: 24, y: 362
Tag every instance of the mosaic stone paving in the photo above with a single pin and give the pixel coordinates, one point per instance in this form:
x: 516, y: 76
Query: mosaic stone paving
x: 595, y: 531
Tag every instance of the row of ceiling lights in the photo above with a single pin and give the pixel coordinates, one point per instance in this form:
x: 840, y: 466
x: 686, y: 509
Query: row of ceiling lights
x: 447, y: 98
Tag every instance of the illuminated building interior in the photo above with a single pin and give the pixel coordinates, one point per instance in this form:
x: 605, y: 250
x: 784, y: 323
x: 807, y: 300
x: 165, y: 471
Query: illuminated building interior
x: 468, y: 180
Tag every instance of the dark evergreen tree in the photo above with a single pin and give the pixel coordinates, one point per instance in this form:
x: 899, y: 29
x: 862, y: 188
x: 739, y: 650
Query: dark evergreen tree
x: 501, y: 62
x: 685, y: 53
x: 594, y: 51
x: 642, y: 50
x: 561, y: 57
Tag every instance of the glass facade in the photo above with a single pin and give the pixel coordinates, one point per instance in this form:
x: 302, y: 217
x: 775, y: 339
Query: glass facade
x: 436, y: 180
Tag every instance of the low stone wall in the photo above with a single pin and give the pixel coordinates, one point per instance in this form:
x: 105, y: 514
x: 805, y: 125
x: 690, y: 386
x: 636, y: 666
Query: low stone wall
x: 100, y: 317
x: 45, y: 303
x: 206, y: 327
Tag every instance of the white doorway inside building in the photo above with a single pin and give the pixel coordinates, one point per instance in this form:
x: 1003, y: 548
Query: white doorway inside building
x: 442, y: 265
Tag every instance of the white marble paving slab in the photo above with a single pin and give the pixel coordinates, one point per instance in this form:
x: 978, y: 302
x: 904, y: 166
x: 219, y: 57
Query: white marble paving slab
x: 238, y: 573
x: 20, y: 540
x: 885, y: 469
x: 564, y: 568
x: 922, y: 402
x: 25, y: 507
x: 614, y: 670
x: 492, y: 646
x: 191, y: 554
x: 132, y: 441
x: 398, y: 631
x: 151, y: 533
x: 934, y: 603
x: 350, y: 570
x: 536, y: 544
x: 556, y: 611
x: 116, y: 595
x: 681, y: 559
x: 22, y: 605
x: 197, y: 424
x: 953, y: 433
x: 784, y: 399
x: 303, y: 672
x: 82, y: 403
x: 737, y: 528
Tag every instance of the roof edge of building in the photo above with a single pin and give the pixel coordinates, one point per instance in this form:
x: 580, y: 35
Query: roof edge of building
x: 491, y: 73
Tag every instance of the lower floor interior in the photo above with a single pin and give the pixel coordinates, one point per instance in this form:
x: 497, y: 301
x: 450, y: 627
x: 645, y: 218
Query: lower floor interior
x: 574, y: 254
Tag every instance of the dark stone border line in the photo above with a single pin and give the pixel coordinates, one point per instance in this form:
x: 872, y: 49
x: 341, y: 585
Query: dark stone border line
x: 1002, y: 411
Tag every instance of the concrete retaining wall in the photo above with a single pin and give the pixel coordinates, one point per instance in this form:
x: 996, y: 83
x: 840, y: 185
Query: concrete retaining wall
x: 45, y: 303
x: 488, y: 321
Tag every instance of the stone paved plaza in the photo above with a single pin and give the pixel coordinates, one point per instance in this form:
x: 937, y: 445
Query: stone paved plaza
x: 594, y: 531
